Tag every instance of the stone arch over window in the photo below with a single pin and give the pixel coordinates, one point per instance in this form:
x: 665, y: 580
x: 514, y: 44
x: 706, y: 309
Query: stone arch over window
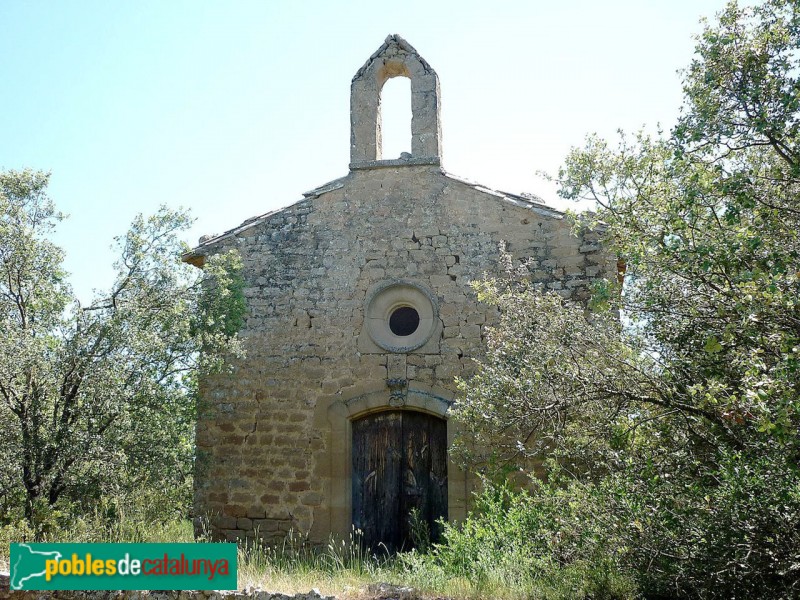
x: 341, y: 414
x: 395, y: 58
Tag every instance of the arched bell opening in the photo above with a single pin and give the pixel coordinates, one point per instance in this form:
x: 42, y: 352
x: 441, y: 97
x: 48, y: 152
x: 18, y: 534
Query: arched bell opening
x: 395, y: 58
x: 394, y: 118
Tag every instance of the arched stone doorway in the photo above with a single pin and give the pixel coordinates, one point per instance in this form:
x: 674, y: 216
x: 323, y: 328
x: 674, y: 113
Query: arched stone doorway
x: 399, y: 468
x: 341, y: 417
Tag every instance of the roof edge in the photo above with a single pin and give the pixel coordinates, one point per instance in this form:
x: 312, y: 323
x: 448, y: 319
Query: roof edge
x: 196, y: 256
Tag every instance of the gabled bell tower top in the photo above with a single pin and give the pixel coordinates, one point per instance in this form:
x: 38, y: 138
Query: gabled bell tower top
x: 395, y: 58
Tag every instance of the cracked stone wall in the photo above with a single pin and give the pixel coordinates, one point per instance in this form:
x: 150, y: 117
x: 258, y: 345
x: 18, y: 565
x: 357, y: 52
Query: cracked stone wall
x: 268, y: 459
x: 273, y: 442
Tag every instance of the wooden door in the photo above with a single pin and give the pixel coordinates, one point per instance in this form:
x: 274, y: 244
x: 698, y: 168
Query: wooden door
x: 399, y: 464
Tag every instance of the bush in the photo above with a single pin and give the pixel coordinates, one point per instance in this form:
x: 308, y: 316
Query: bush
x: 540, y: 542
x: 735, y: 534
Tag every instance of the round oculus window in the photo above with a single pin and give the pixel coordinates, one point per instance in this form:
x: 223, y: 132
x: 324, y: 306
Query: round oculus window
x: 400, y: 316
x: 404, y: 321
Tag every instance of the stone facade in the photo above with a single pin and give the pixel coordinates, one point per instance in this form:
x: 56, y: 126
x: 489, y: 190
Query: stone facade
x: 322, y: 277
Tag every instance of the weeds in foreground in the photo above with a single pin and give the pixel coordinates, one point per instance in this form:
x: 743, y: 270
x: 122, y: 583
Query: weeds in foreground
x: 345, y: 569
x: 95, y: 528
x: 341, y: 567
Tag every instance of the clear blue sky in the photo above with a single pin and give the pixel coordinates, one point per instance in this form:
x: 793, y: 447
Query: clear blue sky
x: 235, y: 108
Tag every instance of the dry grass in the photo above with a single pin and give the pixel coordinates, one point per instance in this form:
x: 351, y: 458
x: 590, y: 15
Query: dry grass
x: 341, y: 568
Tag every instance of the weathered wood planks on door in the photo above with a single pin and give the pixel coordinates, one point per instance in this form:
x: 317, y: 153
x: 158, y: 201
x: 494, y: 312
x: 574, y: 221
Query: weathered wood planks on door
x: 399, y: 464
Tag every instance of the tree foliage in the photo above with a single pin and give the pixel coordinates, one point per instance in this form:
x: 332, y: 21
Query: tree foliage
x: 685, y: 412
x: 100, y: 399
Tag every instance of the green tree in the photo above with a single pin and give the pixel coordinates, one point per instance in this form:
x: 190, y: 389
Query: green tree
x: 687, y: 412
x: 100, y: 399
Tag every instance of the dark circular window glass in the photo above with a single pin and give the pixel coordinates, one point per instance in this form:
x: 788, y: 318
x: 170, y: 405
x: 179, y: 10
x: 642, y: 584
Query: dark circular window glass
x: 404, y: 321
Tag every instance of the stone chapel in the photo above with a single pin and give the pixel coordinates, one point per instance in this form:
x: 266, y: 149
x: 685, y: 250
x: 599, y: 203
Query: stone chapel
x: 359, y: 316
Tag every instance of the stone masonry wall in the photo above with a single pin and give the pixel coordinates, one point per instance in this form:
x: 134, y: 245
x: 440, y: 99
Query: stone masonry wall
x: 265, y: 463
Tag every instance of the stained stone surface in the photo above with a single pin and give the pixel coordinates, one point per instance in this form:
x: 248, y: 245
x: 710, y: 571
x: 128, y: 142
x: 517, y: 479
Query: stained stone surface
x: 273, y: 445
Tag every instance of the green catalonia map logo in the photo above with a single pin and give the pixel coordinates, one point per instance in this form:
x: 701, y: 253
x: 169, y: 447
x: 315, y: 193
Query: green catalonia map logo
x: 123, y: 566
